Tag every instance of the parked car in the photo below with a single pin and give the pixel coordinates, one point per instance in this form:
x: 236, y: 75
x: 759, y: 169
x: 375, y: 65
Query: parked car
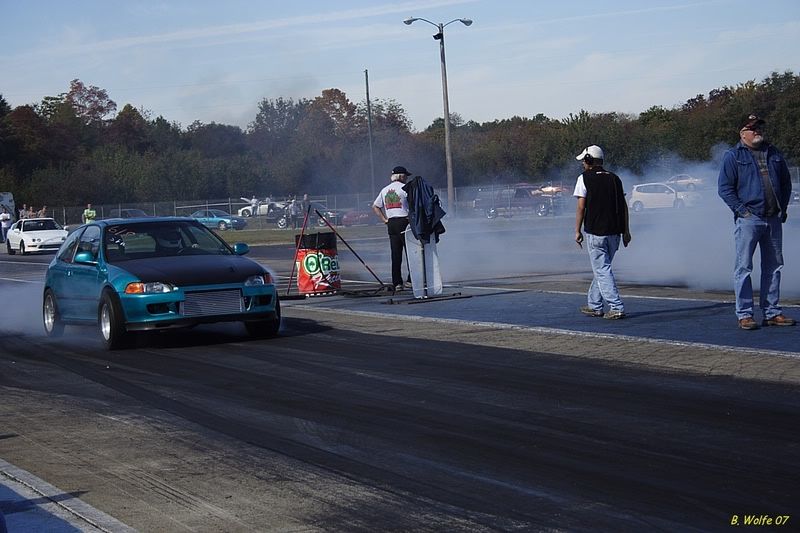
x: 34, y: 235
x: 359, y: 217
x: 142, y: 275
x: 660, y: 195
x: 333, y: 215
x: 687, y: 182
x: 271, y: 210
x: 219, y: 219
x: 127, y: 213
x: 520, y: 198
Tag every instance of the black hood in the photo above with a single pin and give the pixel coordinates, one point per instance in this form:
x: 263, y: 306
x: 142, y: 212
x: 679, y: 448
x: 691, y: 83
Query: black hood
x: 193, y: 269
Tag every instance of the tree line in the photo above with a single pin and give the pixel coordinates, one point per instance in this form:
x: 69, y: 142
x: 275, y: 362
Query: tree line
x: 75, y: 147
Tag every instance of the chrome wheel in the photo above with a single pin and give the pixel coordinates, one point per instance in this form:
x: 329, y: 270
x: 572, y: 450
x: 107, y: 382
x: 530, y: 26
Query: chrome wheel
x: 105, y: 321
x: 53, y: 326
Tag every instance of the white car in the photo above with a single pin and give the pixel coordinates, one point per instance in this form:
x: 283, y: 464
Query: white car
x: 685, y: 181
x: 660, y: 195
x: 35, y: 235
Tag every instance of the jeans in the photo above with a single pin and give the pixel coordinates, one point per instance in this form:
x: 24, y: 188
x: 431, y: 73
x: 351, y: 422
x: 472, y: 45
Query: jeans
x: 767, y: 233
x: 603, y: 289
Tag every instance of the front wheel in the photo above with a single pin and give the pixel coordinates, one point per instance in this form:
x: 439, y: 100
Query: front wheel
x: 53, y: 326
x: 22, y: 248
x: 222, y: 225
x: 679, y: 204
x: 9, y: 249
x: 638, y: 206
x: 246, y: 213
x: 491, y: 213
x: 266, y: 329
x: 112, y: 330
x: 283, y: 223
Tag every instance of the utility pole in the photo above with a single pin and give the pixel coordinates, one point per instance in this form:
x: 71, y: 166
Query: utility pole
x: 369, y: 133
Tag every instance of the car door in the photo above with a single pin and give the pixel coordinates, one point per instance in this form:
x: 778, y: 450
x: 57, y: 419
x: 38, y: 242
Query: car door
x: 59, y: 276
x: 86, y: 279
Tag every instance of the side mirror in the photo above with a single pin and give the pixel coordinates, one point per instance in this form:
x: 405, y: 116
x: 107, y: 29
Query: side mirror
x: 240, y: 248
x: 85, y: 258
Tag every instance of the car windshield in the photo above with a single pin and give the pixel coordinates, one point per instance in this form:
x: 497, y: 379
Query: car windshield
x: 40, y: 225
x: 123, y: 242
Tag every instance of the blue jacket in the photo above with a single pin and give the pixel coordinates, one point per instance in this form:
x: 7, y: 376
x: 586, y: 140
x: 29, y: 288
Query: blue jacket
x: 740, y: 186
x: 424, y: 212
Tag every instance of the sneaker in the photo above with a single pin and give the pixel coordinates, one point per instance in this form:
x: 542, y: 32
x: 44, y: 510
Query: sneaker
x: 588, y: 311
x: 748, y: 323
x: 398, y: 288
x: 778, y: 320
x: 615, y: 315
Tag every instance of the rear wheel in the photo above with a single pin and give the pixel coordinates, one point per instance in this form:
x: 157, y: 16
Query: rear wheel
x: 491, y: 213
x: 53, y: 326
x: 679, y: 204
x: 246, y: 213
x: 283, y: 223
x: 638, y: 206
x: 266, y: 329
x: 691, y: 187
x: 112, y: 330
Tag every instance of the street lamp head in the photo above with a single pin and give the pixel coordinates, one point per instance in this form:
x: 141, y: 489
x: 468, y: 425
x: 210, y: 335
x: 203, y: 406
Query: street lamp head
x: 466, y: 22
x: 409, y: 20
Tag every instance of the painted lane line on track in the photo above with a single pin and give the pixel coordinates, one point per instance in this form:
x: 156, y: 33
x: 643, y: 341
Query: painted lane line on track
x: 80, y: 510
x: 557, y: 331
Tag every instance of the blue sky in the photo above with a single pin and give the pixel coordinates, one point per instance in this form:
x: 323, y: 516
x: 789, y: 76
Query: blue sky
x: 214, y: 61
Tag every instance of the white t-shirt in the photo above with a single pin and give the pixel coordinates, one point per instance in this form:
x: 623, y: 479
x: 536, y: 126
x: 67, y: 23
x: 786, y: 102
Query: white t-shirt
x: 393, y: 199
x: 580, y: 188
x: 5, y: 220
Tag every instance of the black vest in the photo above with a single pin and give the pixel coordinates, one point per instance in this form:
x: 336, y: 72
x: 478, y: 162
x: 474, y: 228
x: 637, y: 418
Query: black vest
x: 605, y: 203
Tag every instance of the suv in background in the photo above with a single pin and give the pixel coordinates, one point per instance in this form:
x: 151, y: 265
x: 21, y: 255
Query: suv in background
x: 127, y: 213
x: 509, y: 200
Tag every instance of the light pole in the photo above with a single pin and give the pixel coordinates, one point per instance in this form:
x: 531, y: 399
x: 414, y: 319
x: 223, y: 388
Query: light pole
x: 451, y: 195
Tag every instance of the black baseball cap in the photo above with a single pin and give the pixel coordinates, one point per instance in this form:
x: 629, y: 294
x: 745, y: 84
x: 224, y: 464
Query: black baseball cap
x: 751, y: 121
x: 401, y: 170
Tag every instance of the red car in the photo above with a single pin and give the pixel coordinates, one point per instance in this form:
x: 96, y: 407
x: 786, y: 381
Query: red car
x: 359, y: 217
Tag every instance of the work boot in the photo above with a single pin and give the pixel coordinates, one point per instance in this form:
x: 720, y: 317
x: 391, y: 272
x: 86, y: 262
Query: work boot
x: 778, y: 320
x: 748, y: 323
x: 615, y: 315
x: 588, y: 311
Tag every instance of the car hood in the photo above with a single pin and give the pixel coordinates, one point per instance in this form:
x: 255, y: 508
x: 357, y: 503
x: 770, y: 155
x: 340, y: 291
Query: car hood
x: 193, y: 269
x: 45, y: 234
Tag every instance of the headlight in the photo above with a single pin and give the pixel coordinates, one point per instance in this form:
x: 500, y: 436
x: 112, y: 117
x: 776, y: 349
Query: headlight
x: 258, y: 280
x: 155, y: 287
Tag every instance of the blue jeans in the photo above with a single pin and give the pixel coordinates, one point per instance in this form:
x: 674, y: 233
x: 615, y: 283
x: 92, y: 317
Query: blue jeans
x: 604, y: 287
x: 767, y: 234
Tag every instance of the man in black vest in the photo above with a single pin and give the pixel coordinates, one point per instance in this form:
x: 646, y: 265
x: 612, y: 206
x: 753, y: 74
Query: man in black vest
x: 603, y: 213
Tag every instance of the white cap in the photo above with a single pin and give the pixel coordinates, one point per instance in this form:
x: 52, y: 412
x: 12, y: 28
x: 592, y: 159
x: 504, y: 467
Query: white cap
x: 595, y: 151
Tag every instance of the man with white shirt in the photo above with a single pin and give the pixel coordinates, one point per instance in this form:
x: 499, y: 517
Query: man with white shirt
x: 603, y: 213
x: 391, y: 206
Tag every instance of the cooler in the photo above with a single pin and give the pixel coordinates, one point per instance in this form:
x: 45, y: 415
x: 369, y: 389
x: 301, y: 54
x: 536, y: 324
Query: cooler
x: 317, y: 263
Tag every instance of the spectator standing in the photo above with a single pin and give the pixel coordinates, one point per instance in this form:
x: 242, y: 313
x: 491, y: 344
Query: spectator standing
x: 755, y: 184
x: 42, y: 212
x: 391, y: 206
x: 603, y: 213
x: 23, y: 213
x: 89, y: 214
x: 5, y: 223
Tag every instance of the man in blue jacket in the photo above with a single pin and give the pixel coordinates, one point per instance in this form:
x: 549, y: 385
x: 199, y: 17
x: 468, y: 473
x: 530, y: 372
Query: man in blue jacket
x: 755, y: 184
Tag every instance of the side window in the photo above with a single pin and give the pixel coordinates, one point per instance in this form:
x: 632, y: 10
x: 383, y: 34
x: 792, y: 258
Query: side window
x: 90, y: 240
x: 67, y: 250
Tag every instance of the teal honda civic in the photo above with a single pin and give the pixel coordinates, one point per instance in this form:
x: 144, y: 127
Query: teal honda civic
x: 150, y: 274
